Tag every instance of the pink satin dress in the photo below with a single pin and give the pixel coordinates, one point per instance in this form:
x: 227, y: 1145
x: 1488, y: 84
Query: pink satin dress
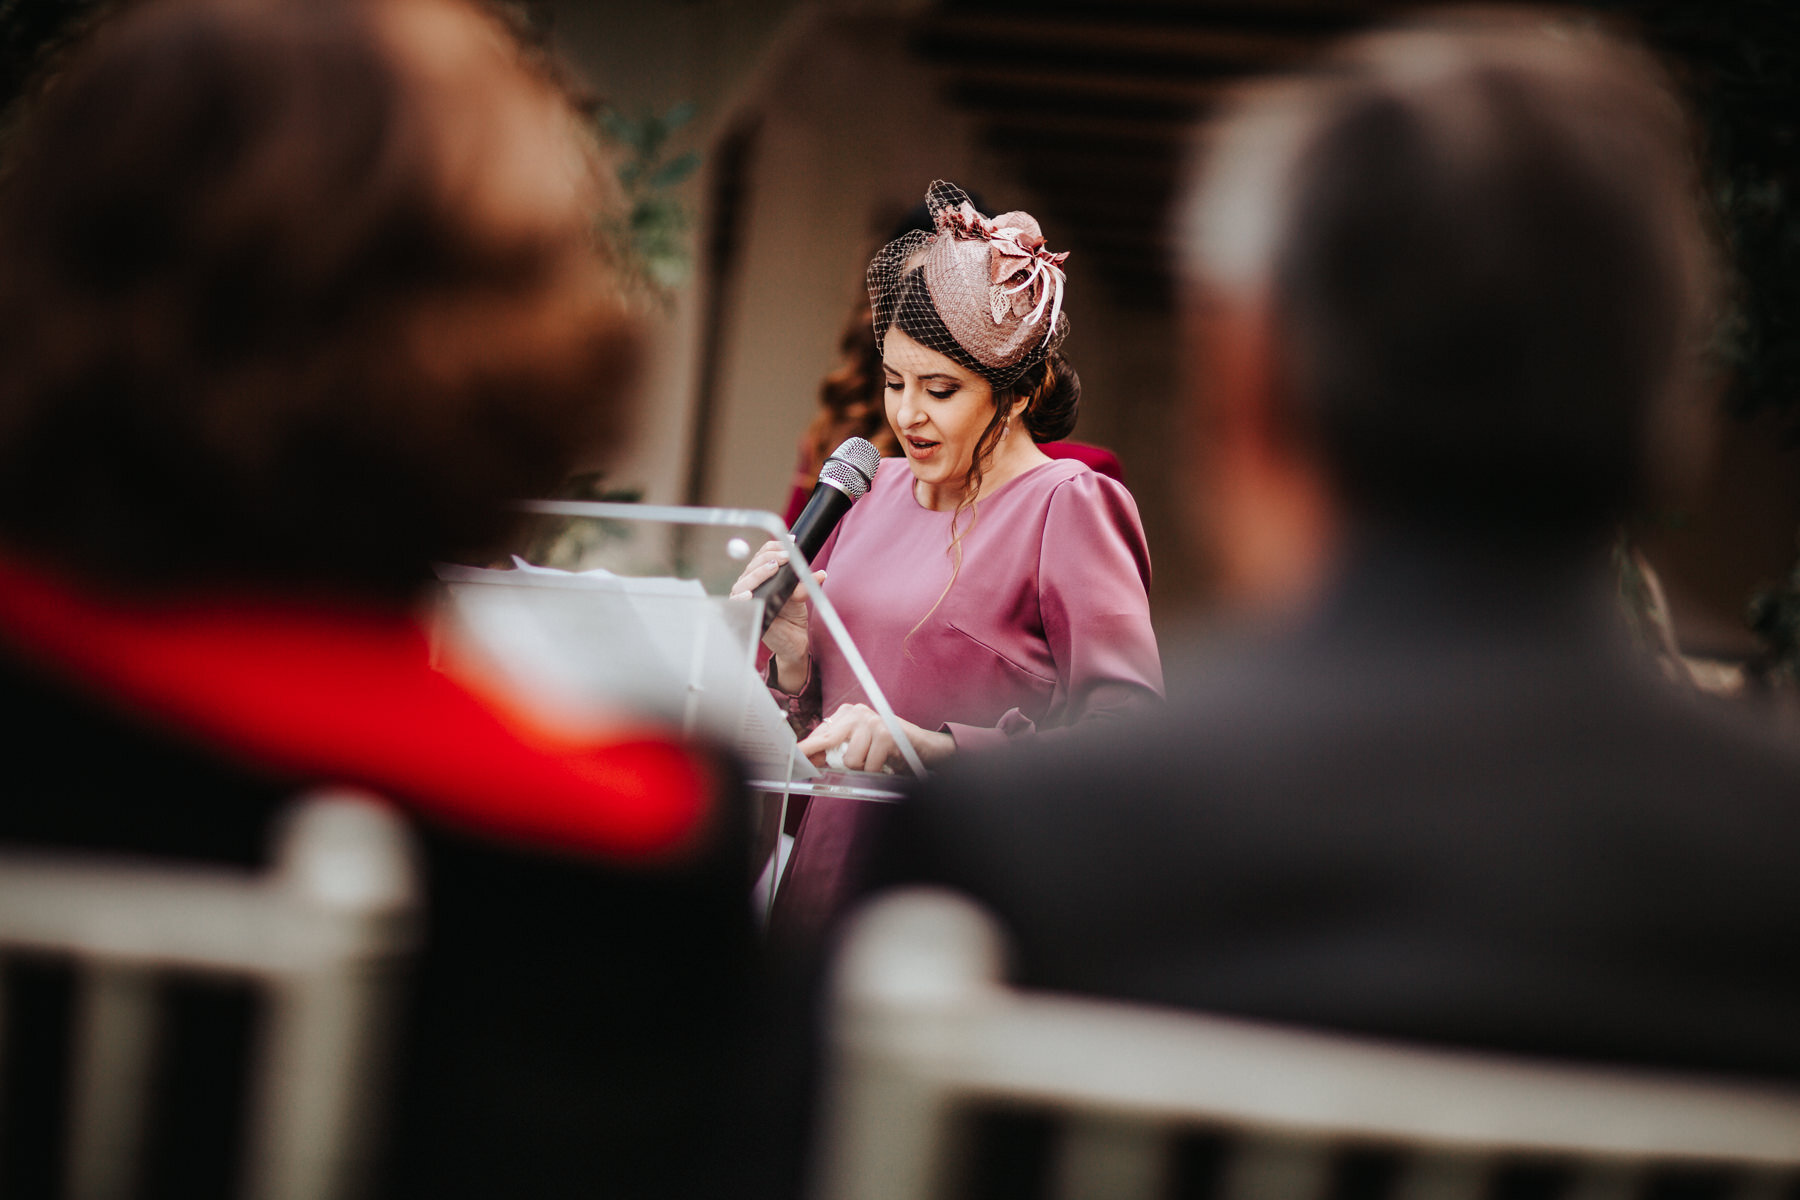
x: 1046, y: 627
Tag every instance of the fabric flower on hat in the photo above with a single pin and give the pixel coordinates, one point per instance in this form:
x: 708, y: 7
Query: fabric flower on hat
x: 984, y: 291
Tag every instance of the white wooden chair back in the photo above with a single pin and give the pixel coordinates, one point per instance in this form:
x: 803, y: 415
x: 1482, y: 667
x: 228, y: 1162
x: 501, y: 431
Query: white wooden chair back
x: 323, y: 934
x: 924, y: 1028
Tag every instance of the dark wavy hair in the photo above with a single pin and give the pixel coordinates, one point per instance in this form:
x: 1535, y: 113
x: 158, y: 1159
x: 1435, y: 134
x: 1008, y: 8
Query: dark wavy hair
x: 297, y: 294
x: 1494, y: 280
x: 850, y: 398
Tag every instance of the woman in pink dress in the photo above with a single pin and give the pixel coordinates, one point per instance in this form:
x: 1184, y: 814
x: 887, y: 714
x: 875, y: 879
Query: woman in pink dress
x: 998, y: 595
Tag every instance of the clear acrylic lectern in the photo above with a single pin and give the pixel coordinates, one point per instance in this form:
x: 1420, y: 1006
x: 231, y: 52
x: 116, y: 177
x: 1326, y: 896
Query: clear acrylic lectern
x: 626, y: 615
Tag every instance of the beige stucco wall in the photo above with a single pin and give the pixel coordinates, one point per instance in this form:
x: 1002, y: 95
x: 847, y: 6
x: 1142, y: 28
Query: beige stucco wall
x: 649, y: 56
x: 850, y: 127
x: 848, y: 136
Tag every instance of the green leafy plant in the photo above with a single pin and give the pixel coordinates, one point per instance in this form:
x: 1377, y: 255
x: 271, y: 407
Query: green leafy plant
x: 1738, y: 65
x: 1775, y: 618
x: 651, y: 236
x: 33, y: 33
x: 1747, y: 91
x: 577, y: 543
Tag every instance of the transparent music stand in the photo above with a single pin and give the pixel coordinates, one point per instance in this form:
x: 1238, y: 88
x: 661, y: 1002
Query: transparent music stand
x: 637, y: 623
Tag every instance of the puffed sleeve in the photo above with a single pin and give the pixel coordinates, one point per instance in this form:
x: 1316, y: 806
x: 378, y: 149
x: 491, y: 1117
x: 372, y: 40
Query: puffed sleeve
x: 1094, y: 603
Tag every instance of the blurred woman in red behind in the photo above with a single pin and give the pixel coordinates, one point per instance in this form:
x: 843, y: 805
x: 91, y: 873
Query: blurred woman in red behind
x: 297, y: 295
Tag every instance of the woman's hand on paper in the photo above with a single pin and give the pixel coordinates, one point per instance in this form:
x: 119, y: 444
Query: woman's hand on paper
x: 865, y: 742
x: 786, y: 635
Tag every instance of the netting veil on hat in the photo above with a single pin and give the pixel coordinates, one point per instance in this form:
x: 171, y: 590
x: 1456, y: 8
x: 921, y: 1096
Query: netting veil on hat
x: 981, y: 291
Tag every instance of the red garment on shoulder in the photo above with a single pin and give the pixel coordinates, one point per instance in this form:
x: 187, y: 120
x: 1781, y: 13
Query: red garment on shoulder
x: 350, y: 696
x: 1096, y: 458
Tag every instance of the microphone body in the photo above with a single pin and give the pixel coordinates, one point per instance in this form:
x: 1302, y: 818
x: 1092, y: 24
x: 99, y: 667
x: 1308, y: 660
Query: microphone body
x: 843, y: 480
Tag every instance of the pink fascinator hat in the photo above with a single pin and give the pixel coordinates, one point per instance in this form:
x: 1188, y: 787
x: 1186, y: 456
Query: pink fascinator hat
x: 983, y: 291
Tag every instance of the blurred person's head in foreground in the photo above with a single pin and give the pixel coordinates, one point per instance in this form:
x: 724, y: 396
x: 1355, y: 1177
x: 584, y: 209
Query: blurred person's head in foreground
x: 1455, y: 281
x: 296, y: 295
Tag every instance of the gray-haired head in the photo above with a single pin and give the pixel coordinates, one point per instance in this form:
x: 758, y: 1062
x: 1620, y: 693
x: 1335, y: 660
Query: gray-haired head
x: 1477, y: 242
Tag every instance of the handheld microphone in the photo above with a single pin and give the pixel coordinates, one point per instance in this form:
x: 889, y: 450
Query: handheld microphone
x: 843, y: 480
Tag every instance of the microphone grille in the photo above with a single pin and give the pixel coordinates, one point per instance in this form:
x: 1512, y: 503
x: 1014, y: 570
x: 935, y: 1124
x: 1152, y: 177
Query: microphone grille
x: 852, y: 467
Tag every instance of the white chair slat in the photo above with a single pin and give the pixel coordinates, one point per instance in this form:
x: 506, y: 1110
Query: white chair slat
x: 922, y: 1012
x: 1277, y: 1168
x: 115, y: 1032
x: 1435, y: 1175
x: 323, y: 935
x: 1103, y: 1158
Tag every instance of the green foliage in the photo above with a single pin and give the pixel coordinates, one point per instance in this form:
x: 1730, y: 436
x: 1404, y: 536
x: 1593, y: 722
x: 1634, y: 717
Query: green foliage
x: 651, y: 238
x: 1775, y: 618
x: 577, y: 543
x: 1738, y: 63
x: 1747, y: 92
x: 33, y: 33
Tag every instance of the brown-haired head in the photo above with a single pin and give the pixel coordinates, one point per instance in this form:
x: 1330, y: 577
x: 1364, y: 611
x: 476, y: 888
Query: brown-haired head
x: 850, y: 398
x: 299, y: 294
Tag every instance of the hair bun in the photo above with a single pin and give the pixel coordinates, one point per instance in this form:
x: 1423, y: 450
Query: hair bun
x: 1051, y: 417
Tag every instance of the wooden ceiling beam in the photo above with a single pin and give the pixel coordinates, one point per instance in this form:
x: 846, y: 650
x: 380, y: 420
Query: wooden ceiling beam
x: 1028, y: 127
x: 1057, y: 88
x: 1022, y: 36
x: 1327, y: 14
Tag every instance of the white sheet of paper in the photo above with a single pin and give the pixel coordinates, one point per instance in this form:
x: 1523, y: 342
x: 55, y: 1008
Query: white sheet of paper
x: 589, y: 646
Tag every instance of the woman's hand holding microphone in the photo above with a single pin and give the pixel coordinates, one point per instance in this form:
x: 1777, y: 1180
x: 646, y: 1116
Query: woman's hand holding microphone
x: 786, y: 635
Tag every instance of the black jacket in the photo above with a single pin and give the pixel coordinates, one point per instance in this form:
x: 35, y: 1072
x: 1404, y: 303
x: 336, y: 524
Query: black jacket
x: 576, y: 1027
x: 1452, y: 806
